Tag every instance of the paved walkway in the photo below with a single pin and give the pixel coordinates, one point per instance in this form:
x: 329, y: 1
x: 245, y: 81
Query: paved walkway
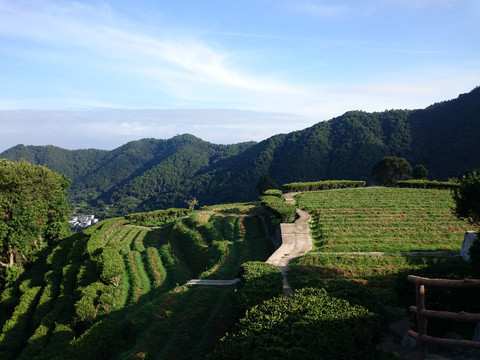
x: 213, y: 282
x: 296, y: 241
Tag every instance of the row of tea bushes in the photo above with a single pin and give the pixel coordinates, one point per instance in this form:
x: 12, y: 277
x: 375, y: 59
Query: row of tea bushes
x: 323, y: 185
x: 427, y: 184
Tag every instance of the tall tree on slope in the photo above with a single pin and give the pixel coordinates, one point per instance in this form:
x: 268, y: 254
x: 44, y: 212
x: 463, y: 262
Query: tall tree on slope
x: 33, y: 213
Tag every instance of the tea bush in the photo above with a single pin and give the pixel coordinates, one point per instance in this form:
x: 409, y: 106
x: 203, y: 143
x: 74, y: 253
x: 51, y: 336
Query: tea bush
x: 309, y: 324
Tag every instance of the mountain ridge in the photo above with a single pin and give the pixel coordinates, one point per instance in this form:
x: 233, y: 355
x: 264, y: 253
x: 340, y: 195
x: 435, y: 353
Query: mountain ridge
x: 149, y: 174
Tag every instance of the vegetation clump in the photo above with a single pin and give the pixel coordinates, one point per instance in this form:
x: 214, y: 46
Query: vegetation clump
x: 309, y: 324
x: 323, y: 185
x: 391, y: 169
x: 278, y: 210
x: 262, y: 281
x: 33, y: 214
x: 427, y: 184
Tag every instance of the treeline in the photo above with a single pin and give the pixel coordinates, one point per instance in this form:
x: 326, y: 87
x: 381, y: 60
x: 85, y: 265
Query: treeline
x: 151, y: 174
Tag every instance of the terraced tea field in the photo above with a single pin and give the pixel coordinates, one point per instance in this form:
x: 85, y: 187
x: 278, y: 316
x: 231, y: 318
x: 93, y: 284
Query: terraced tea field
x: 116, y: 290
x: 382, y: 219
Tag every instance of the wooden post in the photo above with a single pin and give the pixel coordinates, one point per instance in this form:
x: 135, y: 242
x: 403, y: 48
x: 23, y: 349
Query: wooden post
x: 422, y: 321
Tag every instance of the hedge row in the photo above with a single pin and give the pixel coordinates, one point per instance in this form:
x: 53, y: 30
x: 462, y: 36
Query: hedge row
x: 97, y: 238
x: 278, y: 209
x: 12, y: 335
x: 157, y: 217
x: 309, y: 324
x: 112, y: 266
x: 323, y: 185
x: 94, y: 298
x: 273, y: 192
x: 262, y: 281
x: 426, y: 184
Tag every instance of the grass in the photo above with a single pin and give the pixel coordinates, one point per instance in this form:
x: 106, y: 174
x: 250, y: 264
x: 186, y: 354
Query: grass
x: 382, y: 219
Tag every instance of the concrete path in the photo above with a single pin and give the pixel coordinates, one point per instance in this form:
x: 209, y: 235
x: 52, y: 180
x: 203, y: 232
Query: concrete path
x: 296, y: 241
x: 213, y: 282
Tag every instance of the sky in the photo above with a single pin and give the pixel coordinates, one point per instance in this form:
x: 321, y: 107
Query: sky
x: 100, y: 73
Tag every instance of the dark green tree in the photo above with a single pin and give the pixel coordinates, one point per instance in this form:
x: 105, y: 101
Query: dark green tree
x: 420, y: 172
x: 467, y: 198
x: 265, y: 183
x: 33, y: 213
x: 391, y: 169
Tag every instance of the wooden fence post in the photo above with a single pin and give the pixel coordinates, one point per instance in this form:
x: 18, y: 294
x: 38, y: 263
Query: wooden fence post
x: 423, y: 314
x: 422, y: 321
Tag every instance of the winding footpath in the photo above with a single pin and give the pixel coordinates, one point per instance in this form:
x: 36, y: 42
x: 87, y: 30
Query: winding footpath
x: 296, y: 241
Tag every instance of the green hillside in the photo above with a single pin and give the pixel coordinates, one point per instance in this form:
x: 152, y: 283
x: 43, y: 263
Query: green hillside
x: 116, y: 290
x: 149, y: 174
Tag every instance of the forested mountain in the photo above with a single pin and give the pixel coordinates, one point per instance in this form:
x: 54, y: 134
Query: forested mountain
x: 152, y: 174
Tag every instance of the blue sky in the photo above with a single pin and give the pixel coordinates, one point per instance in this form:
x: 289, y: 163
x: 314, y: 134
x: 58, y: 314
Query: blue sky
x: 80, y: 74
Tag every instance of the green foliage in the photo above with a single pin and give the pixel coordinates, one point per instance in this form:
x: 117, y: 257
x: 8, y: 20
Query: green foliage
x: 11, y: 274
x: 278, y: 210
x: 86, y: 307
x: 265, y: 183
x: 157, y: 217
x: 273, y: 192
x: 100, y: 233
x: 383, y: 219
x: 112, y: 266
x: 11, y: 336
x: 427, y: 184
x: 391, y: 169
x: 322, y: 185
x: 33, y: 212
x: 467, y: 198
x: 262, y: 281
x: 420, y: 172
x: 309, y: 324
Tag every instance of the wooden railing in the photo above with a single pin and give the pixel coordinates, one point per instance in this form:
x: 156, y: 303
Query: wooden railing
x: 423, y: 314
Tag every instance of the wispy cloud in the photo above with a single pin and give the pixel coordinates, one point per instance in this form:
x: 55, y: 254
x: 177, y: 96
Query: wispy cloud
x: 181, y: 65
x: 320, y: 8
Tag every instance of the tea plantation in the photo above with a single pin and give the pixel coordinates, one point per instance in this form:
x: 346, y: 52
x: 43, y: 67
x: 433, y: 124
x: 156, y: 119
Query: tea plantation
x: 116, y: 290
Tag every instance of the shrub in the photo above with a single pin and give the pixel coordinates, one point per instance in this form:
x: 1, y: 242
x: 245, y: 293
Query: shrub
x: 99, y: 235
x: 467, y: 198
x: 323, y: 185
x: 12, y: 335
x: 112, y: 266
x: 87, y: 306
x: 97, y: 342
x: 309, y: 324
x: 278, y: 210
x: 157, y: 217
x: 59, y: 256
x: 427, y: 184
x: 273, y: 192
x: 262, y: 281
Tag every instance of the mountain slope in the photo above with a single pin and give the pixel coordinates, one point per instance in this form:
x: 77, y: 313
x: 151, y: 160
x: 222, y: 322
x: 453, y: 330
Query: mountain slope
x: 149, y: 174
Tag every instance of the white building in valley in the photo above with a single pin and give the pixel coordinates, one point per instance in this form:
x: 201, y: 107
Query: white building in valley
x: 82, y: 221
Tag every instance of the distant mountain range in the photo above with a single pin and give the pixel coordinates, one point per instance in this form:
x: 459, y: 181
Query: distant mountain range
x: 151, y: 174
